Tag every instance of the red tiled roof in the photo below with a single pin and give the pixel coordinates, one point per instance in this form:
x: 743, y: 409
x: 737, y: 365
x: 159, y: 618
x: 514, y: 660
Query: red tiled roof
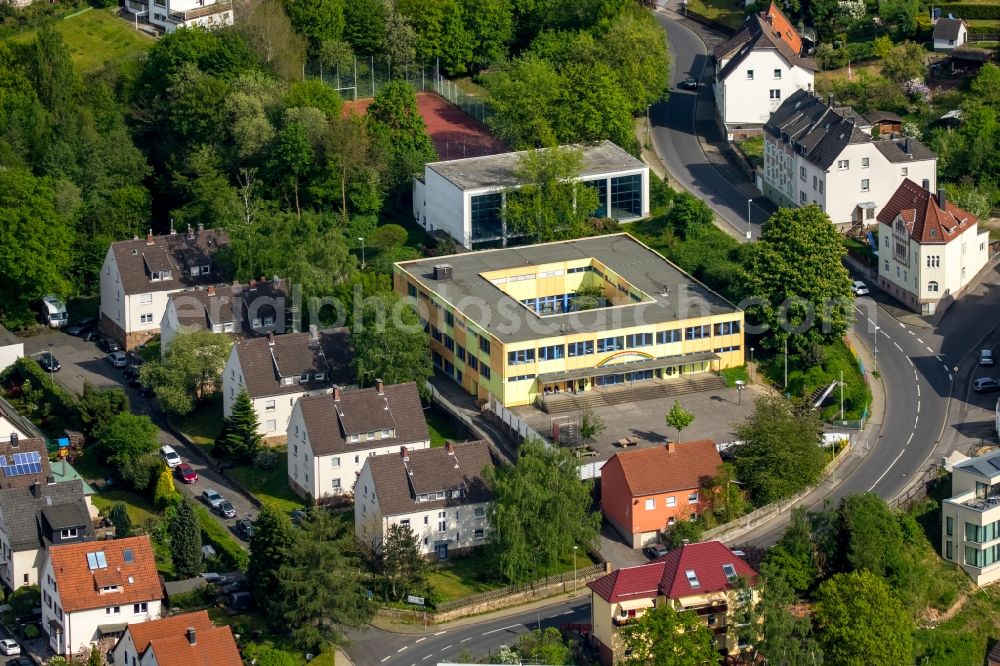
x: 657, y: 470
x: 79, y: 587
x: 667, y: 576
x: 168, y: 640
x: 783, y: 29
x: 926, y: 221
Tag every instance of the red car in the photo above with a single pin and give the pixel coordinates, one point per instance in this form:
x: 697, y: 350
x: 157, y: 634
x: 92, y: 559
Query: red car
x: 186, y: 473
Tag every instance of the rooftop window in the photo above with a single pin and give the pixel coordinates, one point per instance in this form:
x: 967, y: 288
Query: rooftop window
x: 730, y: 572
x: 692, y: 578
x: 97, y: 560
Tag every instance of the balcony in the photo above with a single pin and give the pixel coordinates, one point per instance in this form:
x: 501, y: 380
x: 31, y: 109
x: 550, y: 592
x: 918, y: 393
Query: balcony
x: 983, y: 503
x: 201, y: 12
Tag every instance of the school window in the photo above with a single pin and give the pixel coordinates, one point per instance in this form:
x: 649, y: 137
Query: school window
x: 521, y: 378
x: 460, y: 352
x: 411, y: 290
x: 864, y: 185
x: 473, y: 362
x: 727, y: 328
x: 639, y: 340
x: 610, y: 344
x: 484, y: 345
x: 449, y: 318
x: 521, y: 356
x: 581, y: 348
x: 665, y: 337
x: 697, y: 332
x: 435, y: 333
x: 551, y: 352
x: 484, y: 370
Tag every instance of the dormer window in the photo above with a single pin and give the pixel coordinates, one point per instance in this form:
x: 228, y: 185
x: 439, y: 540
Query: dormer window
x: 353, y: 439
x: 109, y: 588
x: 70, y: 533
x: 370, y: 436
x: 287, y: 381
x: 387, y: 433
x: 195, y: 271
x: 304, y: 377
x: 319, y: 376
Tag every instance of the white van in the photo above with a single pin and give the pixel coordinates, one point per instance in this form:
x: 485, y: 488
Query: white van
x: 54, y: 311
x: 170, y: 456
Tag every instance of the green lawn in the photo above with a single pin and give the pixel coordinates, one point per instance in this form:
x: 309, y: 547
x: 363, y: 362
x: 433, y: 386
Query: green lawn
x: 727, y: 12
x: 204, y: 424
x: 753, y: 149
x: 442, y: 427
x: 270, y: 485
x: 140, y: 509
x: 96, y: 36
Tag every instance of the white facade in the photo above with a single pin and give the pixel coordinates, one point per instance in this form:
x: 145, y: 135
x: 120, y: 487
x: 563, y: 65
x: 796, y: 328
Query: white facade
x: 951, y: 44
x: 756, y: 88
x: 919, y: 274
x: 319, y: 476
x: 438, y: 530
x: 172, y: 14
x: 80, y: 629
x: 19, y: 568
x: 853, y: 189
x: 136, y: 313
x: 970, y: 519
x: 9, y: 353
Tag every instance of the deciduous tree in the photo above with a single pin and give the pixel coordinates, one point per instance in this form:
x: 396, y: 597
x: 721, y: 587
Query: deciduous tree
x: 191, y: 369
x: 128, y: 442
x: 389, y: 342
x: 870, y: 536
x: 397, y: 127
x: 904, y: 62
x: 317, y: 20
x: 679, y: 418
x: 100, y: 405
x: 664, y: 637
x: 848, y: 607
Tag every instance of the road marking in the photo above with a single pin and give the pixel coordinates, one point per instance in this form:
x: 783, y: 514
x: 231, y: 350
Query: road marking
x: 910, y: 360
x: 910, y: 439
x: 385, y: 659
x: 920, y: 341
x: 447, y: 648
x: 901, y: 325
x: 401, y: 649
x: 493, y: 631
x: 897, y: 345
x: 427, y: 657
x: 918, y: 395
x: 911, y: 333
x: 887, y: 469
x: 440, y: 632
x: 950, y: 378
x: 569, y: 612
x: 466, y: 639
x: 918, y: 406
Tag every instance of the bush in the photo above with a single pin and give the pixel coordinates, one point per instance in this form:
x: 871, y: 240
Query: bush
x: 972, y: 10
x: 31, y: 632
x: 266, y: 459
x: 230, y: 553
x: 265, y: 656
x: 164, y: 493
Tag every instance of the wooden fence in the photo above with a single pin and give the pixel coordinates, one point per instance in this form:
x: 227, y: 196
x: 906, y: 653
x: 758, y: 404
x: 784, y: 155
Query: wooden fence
x: 582, y: 574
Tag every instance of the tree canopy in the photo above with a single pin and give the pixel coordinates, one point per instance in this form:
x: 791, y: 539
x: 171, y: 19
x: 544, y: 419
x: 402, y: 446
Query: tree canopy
x: 665, y: 637
x: 191, y: 370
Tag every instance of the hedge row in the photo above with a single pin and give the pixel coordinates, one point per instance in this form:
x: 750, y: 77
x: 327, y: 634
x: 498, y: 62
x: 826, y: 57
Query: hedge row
x: 226, y: 547
x: 968, y: 10
x: 27, y: 368
x: 855, y: 52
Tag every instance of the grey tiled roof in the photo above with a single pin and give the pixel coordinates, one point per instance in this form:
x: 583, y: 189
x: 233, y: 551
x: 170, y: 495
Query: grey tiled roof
x: 265, y: 361
x: 399, y: 482
x: 22, y: 512
x: 200, y: 309
x: 947, y: 28
x: 904, y: 150
x: 819, y: 131
x: 174, y: 252
x: 329, y: 421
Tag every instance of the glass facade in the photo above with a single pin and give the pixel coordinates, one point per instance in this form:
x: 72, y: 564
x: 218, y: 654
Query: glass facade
x: 487, y: 213
x: 626, y: 196
x: 601, y: 187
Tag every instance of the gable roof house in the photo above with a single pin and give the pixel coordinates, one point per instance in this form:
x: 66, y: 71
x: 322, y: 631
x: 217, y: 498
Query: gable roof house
x: 330, y: 435
x: 929, y: 248
x: 139, y: 274
x: 277, y: 370
x: 258, y: 308
x: 92, y: 591
x: 700, y: 577
x: 647, y: 490
x: 439, y: 493
x: 188, y: 639
x: 950, y: 33
x: 757, y: 68
x: 816, y: 152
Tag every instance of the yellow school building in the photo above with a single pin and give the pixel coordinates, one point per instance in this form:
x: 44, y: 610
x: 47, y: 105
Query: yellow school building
x: 569, y: 316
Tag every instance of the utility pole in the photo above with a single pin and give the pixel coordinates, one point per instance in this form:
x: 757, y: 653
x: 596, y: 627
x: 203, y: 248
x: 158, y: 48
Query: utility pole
x: 841, y: 395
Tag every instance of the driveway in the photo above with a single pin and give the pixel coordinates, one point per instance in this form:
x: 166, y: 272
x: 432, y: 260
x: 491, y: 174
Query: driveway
x: 83, y: 362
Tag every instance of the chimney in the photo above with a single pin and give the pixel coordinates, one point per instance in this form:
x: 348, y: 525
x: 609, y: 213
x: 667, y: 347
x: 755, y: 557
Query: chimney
x: 201, y: 227
x: 404, y: 453
x: 380, y: 387
x: 829, y: 100
x: 906, y: 147
x: 36, y: 489
x: 942, y: 198
x: 173, y: 232
x: 190, y: 234
x: 927, y: 185
x: 770, y: 19
x: 149, y: 237
x: 13, y: 440
x: 192, y: 640
x: 336, y: 394
x: 211, y: 290
x: 671, y: 447
x: 449, y: 447
x: 50, y: 479
x: 270, y: 338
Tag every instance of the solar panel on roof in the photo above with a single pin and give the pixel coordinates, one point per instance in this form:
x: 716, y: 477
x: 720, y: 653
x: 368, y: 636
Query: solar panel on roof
x: 3, y: 460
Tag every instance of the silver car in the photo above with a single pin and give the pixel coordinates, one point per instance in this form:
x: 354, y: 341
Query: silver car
x: 117, y: 359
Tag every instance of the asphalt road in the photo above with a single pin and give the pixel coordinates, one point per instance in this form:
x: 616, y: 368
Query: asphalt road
x: 374, y: 646
x: 674, y: 138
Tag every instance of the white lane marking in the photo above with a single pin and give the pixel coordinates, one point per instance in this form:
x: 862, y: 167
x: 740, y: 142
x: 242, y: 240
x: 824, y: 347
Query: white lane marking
x: 950, y: 378
x: 466, y: 639
x: 440, y: 632
x: 427, y: 657
x: 911, y: 332
x: 569, y: 612
x: 401, y: 649
x: 918, y: 406
x: 920, y: 341
x: 887, y: 469
x: 909, y: 439
x: 493, y: 631
x: 910, y: 360
x: 901, y: 325
x: 385, y: 659
x: 421, y: 639
x: 448, y: 647
x: 918, y: 395
x: 930, y: 350
x: 897, y: 345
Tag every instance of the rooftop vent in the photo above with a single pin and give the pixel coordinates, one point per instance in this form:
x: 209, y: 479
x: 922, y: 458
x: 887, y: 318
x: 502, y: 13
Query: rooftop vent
x: 442, y: 272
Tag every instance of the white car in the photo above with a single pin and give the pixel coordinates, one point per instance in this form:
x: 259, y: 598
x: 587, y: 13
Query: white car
x: 986, y: 357
x: 9, y: 646
x: 859, y: 288
x: 170, y: 456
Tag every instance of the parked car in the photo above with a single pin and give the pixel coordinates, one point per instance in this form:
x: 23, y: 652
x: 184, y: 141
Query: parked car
x: 170, y: 456
x: 238, y: 585
x: 48, y: 362
x: 9, y: 646
x: 986, y: 357
x: 225, y: 509
x: 19, y: 661
x: 859, y: 288
x: 107, y: 345
x: 655, y: 550
x: 83, y: 326
x: 987, y: 385
x: 116, y: 359
x: 239, y: 600
x: 131, y: 372
x: 244, y: 528
x: 211, y: 497
x: 186, y: 473
x: 690, y: 83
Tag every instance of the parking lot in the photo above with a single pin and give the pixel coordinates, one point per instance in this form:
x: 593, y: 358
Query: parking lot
x: 83, y: 362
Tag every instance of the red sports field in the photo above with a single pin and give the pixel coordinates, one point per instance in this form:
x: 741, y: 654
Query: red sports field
x: 455, y: 135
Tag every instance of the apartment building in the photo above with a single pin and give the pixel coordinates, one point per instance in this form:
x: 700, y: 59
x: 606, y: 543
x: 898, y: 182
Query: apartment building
x: 970, y: 518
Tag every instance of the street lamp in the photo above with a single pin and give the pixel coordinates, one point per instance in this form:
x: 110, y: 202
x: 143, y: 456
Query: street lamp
x: 574, y: 570
x: 751, y: 363
x: 749, y: 230
x: 362, y: 252
x: 740, y: 386
x: 647, y: 119
x: 51, y: 364
x: 876, y: 348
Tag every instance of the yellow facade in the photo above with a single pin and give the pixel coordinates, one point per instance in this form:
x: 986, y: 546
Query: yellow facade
x: 461, y: 347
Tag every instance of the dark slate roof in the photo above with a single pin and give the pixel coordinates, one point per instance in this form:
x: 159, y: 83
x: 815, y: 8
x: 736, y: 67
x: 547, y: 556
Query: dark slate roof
x: 399, y: 480
x: 882, y: 116
x: 200, y: 309
x: 766, y: 31
x: 947, y: 28
x: 904, y: 149
x: 266, y: 360
x: 22, y: 512
x: 22, y: 423
x: 819, y: 131
x: 36, y: 444
x: 176, y: 252
x: 329, y: 420
x: 926, y: 220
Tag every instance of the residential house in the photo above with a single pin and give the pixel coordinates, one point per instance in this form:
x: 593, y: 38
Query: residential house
x: 646, y: 491
x: 11, y: 348
x: 699, y: 577
x: 277, y: 370
x: 35, y: 517
x: 818, y: 153
x: 950, y: 33
x: 139, y: 274
x: 465, y: 198
x: 188, y: 639
x: 92, y: 591
x: 970, y: 518
x: 14, y: 426
x: 756, y: 69
x: 330, y: 435
x: 438, y: 493
x: 245, y: 311
x: 884, y: 123
x: 929, y: 248
x: 168, y: 15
